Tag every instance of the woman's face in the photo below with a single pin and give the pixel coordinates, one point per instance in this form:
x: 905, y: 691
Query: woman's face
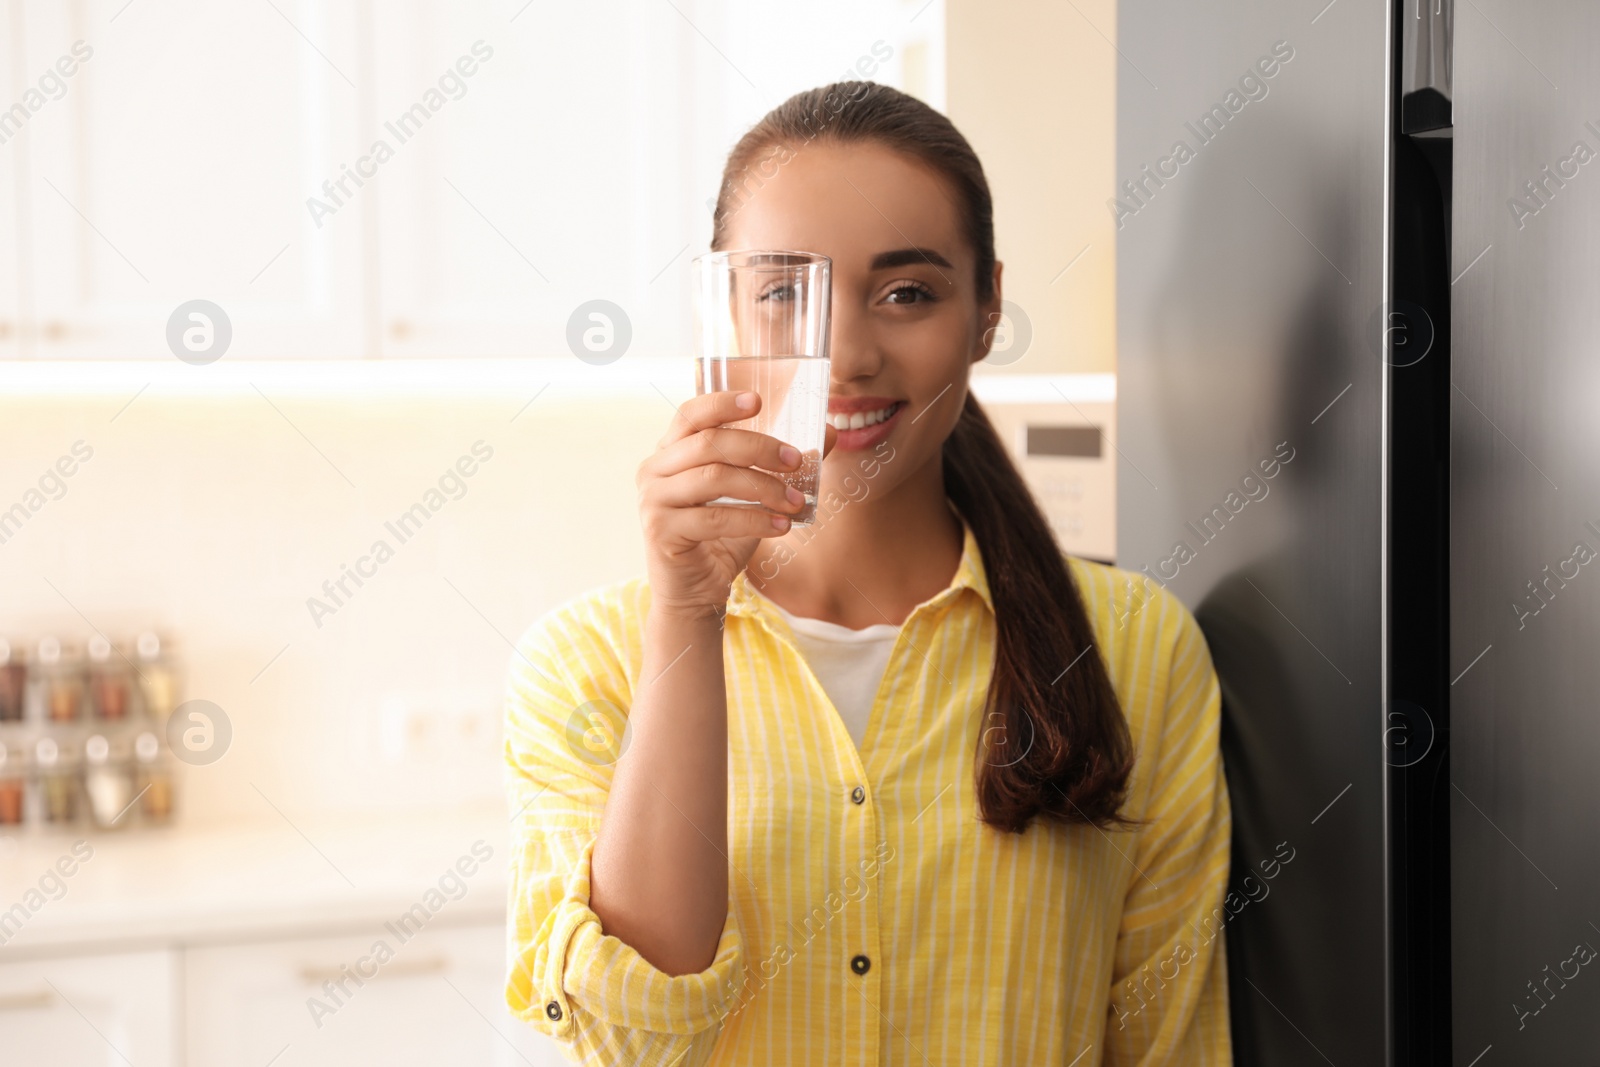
x: 907, y: 324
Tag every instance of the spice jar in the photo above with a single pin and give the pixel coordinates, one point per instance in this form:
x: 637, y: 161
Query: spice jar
x: 108, y: 680
x: 58, y: 782
x: 12, y: 776
x: 61, y: 678
x: 108, y: 781
x: 13, y: 682
x: 158, y: 680
x: 153, y: 780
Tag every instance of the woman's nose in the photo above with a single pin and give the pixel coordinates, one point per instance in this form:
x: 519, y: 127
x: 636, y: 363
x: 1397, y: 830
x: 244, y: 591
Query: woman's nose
x: 851, y: 351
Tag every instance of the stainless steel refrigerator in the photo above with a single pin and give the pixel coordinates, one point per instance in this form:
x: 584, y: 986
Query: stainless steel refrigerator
x: 1359, y: 380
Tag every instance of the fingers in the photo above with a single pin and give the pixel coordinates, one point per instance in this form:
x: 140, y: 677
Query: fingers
x: 738, y: 448
x: 703, y: 484
x: 710, y: 409
x: 689, y: 525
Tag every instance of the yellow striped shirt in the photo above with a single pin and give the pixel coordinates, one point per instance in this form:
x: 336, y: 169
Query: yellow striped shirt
x: 872, y: 918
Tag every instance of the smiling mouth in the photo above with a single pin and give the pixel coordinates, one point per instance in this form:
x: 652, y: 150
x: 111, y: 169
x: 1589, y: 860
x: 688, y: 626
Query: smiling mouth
x: 861, y: 419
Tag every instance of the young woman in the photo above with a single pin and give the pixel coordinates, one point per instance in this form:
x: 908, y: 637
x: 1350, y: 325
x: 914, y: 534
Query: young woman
x: 911, y: 787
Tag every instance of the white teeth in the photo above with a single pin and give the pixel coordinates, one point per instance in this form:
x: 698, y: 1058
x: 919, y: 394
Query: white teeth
x: 860, y: 419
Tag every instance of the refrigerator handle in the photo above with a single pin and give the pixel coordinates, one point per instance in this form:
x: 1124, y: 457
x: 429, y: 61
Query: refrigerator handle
x: 1425, y: 66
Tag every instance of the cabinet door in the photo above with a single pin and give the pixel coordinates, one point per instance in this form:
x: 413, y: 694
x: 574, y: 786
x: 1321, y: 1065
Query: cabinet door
x: 12, y: 142
x: 550, y: 175
x: 438, y: 998
x: 579, y: 158
x: 175, y: 163
x: 90, y: 1011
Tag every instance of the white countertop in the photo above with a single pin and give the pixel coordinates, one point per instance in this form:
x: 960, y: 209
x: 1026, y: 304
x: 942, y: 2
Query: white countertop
x: 264, y: 880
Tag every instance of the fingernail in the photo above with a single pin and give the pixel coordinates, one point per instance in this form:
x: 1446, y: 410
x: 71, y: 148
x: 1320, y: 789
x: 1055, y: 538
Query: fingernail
x: 790, y: 456
x: 795, y: 496
x: 745, y: 401
x: 779, y: 522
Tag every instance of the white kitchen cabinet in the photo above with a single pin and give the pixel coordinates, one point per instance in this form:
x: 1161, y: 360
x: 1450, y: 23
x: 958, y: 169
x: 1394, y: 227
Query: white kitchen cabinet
x: 10, y: 295
x: 11, y: 160
x: 349, y: 179
x: 547, y: 177
x: 175, y: 165
x: 90, y: 1011
x: 557, y: 174
x: 439, y: 999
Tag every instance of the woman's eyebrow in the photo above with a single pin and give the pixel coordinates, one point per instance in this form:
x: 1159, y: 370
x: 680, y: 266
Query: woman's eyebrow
x: 906, y: 256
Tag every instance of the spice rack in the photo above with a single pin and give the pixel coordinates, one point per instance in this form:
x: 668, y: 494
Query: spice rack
x: 83, y: 734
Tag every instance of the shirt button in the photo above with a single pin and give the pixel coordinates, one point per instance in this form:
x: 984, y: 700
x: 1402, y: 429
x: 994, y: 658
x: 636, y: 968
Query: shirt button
x: 860, y: 964
x: 858, y: 794
x: 553, y: 1010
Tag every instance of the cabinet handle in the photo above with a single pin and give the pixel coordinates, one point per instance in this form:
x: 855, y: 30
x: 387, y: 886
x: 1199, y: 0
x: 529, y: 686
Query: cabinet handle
x: 315, y: 975
x: 34, y: 1001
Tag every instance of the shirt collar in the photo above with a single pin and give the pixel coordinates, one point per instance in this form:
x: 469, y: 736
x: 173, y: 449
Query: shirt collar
x: 970, y: 574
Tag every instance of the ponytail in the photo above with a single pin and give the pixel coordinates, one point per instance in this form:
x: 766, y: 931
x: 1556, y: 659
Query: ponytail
x: 1054, y: 740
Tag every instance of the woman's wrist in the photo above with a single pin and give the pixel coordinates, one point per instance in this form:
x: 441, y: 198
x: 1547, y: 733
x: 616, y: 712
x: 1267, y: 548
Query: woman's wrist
x: 686, y: 614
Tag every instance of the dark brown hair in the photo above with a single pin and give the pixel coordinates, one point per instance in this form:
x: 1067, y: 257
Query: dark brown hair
x: 1055, y: 742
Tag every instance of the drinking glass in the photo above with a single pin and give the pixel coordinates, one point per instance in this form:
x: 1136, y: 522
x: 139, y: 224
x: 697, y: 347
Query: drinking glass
x: 761, y: 324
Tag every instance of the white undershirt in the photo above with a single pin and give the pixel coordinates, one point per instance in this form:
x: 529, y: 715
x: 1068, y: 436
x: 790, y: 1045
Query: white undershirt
x: 849, y: 664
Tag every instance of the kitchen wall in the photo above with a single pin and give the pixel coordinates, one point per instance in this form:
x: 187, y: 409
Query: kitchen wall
x: 215, y: 517
x: 1032, y: 85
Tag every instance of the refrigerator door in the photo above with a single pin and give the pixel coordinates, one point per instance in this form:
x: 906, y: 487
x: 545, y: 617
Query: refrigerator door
x: 1525, y: 533
x: 1251, y: 281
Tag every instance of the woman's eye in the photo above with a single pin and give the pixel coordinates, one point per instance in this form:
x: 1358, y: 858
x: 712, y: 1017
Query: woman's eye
x: 778, y: 293
x: 908, y: 294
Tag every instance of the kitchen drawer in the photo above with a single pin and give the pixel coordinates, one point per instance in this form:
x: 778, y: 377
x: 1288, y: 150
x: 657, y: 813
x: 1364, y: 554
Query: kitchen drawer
x: 390, y: 996
x: 90, y: 1011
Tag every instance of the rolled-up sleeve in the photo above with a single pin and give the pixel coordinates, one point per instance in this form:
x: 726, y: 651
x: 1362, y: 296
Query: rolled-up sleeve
x: 594, y: 994
x: 1169, y: 993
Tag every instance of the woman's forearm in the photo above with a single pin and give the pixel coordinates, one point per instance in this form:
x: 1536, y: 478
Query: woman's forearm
x: 659, y: 875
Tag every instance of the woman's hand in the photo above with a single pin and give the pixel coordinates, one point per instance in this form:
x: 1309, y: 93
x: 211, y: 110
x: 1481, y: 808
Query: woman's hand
x: 694, y: 552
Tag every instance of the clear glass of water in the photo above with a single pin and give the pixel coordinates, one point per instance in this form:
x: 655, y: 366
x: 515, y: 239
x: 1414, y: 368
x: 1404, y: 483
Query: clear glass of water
x: 761, y: 323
